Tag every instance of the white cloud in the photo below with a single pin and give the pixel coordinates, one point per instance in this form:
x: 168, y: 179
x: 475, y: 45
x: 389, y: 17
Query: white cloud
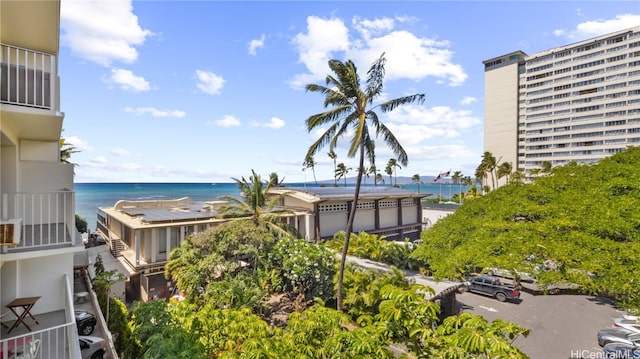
x: 315, y: 48
x: 100, y: 160
x: 209, y: 82
x: 102, y: 31
x: 408, y: 55
x: 275, y: 123
x: 141, y: 111
x: 468, y: 100
x: 256, y: 44
x: 414, y: 124
x: 596, y: 28
x: 127, y: 81
x: 227, y: 121
x: 78, y: 143
x: 120, y: 152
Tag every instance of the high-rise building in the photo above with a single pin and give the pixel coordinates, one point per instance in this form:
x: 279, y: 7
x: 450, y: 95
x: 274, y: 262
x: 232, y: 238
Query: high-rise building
x: 579, y: 102
x: 38, y: 238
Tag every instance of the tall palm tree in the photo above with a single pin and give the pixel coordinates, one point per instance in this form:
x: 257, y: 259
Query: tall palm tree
x: 353, y: 113
x: 309, y: 162
x: 379, y: 178
x: 416, y: 179
x: 393, y: 164
x: 504, y: 170
x: 489, y: 164
x: 333, y: 156
x: 373, y: 171
x: 388, y: 170
x: 257, y: 205
x: 457, y: 178
x: 342, y: 171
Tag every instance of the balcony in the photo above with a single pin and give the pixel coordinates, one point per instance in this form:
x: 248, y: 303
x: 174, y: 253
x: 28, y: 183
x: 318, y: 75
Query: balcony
x: 54, y: 337
x: 27, y: 77
x: 46, y: 220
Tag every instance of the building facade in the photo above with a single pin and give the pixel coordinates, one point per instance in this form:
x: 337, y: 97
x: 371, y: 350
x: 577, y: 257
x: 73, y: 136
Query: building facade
x: 579, y: 102
x: 38, y: 239
x: 141, y: 234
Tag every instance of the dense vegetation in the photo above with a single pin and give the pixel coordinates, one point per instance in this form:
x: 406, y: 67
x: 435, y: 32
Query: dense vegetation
x: 578, y: 224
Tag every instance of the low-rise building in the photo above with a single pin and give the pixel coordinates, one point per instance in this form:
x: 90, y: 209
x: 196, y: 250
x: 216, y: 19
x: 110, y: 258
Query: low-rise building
x: 141, y: 234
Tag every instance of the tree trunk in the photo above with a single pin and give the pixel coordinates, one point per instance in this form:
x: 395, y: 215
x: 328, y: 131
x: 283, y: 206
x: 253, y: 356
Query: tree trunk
x: 352, y: 216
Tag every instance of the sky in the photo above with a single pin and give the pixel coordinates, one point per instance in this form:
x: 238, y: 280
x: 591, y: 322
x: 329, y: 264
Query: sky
x: 207, y: 91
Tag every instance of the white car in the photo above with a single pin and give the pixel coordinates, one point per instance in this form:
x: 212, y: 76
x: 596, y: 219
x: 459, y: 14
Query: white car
x: 507, y: 273
x: 631, y: 325
x: 92, y: 347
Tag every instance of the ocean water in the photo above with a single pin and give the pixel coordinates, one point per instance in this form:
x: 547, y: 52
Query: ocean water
x: 91, y: 196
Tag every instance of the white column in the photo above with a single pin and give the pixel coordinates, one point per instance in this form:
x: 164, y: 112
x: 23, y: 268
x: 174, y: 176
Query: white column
x: 137, y: 245
x: 168, y: 245
x: 183, y: 231
x: 306, y: 226
x: 154, y: 246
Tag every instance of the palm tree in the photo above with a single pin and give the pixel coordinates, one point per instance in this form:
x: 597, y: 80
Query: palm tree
x: 373, y: 171
x: 388, y: 170
x: 379, y: 178
x: 393, y: 164
x: 416, y: 179
x: 488, y: 164
x: 351, y: 114
x: 333, y: 156
x: 342, y: 171
x: 309, y: 162
x: 258, y: 205
x: 275, y: 181
x: 457, y: 177
x: 504, y: 170
x: 66, y: 150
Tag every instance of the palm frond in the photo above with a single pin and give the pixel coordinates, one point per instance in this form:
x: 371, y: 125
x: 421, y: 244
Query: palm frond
x: 391, y: 141
x: 393, y: 104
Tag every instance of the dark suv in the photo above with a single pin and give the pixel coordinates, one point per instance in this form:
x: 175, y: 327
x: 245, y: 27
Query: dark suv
x: 85, y: 322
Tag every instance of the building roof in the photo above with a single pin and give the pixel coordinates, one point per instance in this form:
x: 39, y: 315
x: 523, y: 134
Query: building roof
x: 319, y: 194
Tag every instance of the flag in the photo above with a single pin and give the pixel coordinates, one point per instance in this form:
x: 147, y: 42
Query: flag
x: 442, y: 175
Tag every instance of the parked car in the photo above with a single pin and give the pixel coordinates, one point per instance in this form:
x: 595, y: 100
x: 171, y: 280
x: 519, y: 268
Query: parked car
x: 507, y: 273
x: 92, y: 347
x: 85, y: 321
x: 628, y: 324
x: 617, y: 335
x: 621, y: 351
x: 492, y: 287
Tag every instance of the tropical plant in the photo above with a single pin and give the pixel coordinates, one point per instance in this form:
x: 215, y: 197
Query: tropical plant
x: 374, y: 172
x: 488, y: 165
x: 81, y: 224
x: 393, y: 164
x: 341, y: 172
x: 416, y: 179
x: 228, y: 249
x: 66, y: 150
x: 351, y: 114
x: 334, y: 156
x: 389, y: 171
x: 457, y: 178
x: 258, y: 205
x: 577, y: 226
x: 379, y: 178
x: 505, y: 170
x: 309, y: 162
x: 303, y: 268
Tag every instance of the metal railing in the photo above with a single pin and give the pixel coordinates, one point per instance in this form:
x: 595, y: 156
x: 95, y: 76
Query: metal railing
x: 47, y: 218
x: 27, y: 77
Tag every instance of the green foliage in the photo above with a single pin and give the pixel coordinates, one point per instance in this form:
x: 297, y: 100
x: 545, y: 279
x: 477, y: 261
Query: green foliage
x: 119, y: 327
x: 257, y: 204
x: 225, y: 250
x: 374, y: 247
x: 81, y: 224
x: 301, y: 267
x: 241, y: 291
x: 579, y: 224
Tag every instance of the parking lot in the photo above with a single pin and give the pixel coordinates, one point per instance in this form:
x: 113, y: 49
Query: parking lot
x: 562, y: 326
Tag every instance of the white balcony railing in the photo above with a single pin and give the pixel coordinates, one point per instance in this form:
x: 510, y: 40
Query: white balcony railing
x: 59, y: 338
x: 47, y: 219
x: 27, y: 77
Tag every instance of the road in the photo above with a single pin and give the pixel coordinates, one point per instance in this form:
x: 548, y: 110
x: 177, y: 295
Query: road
x: 562, y: 326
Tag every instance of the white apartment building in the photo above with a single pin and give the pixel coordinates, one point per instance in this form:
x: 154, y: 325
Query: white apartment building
x: 38, y: 238
x: 579, y: 102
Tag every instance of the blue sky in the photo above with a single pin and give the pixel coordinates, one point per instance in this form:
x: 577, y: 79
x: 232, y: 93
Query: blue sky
x: 203, y: 91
